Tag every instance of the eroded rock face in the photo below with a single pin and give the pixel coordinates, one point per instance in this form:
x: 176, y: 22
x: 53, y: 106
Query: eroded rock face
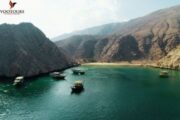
x: 172, y: 60
x: 25, y: 50
x: 147, y: 38
x: 124, y: 49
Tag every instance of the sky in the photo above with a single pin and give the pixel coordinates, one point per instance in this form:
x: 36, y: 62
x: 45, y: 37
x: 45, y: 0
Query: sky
x: 56, y: 17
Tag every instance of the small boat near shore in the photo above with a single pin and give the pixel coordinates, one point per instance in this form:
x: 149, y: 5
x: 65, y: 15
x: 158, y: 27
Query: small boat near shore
x: 78, y: 86
x: 78, y: 72
x: 57, y: 75
x: 164, y: 74
x: 18, y: 81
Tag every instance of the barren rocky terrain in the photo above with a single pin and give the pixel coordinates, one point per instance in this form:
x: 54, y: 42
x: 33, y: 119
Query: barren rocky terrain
x: 150, y: 37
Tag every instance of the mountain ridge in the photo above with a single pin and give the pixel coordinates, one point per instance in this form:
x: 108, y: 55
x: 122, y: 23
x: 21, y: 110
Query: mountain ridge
x: 102, y: 30
x: 153, y: 35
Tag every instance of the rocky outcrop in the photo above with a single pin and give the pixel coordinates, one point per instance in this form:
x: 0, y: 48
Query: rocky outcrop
x: 25, y: 50
x: 172, y: 60
x: 147, y: 38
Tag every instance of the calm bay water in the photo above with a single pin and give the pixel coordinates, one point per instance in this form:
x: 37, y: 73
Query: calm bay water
x: 111, y: 93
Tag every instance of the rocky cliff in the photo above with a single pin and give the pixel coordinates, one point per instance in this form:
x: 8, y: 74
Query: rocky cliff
x: 25, y: 50
x: 172, y: 60
x: 150, y: 37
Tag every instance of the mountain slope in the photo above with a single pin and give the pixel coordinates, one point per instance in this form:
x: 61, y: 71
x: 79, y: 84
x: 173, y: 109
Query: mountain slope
x: 150, y: 37
x: 79, y: 46
x: 25, y: 50
x: 172, y: 60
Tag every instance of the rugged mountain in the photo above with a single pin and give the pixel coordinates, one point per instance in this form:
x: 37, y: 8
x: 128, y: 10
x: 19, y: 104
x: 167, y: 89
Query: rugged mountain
x: 25, y: 50
x: 172, y: 60
x: 102, y: 30
x: 150, y: 37
x: 80, y: 46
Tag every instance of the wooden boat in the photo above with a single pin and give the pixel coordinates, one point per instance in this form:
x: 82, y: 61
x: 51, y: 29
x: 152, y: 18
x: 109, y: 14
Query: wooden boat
x: 164, y: 74
x: 82, y: 72
x: 78, y: 72
x: 18, y: 81
x: 78, y: 86
x: 57, y: 75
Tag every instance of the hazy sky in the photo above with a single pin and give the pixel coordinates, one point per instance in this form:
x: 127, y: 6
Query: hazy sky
x: 55, y: 17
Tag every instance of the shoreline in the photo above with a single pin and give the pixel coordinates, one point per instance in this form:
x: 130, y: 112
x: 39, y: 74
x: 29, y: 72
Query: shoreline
x: 140, y: 64
x: 114, y: 64
x: 4, y: 78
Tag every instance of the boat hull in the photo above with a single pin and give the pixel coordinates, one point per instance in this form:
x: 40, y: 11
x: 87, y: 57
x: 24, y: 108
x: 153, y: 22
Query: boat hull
x: 77, y: 89
x: 163, y: 76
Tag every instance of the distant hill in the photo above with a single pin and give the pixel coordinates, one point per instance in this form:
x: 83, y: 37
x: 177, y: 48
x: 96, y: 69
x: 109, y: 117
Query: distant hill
x: 25, y: 50
x: 102, y: 30
x: 79, y: 46
x: 150, y: 37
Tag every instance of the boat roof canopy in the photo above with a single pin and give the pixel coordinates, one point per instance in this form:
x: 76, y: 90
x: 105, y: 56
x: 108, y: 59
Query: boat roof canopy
x: 78, y: 82
x: 56, y: 73
x: 20, y: 77
x: 164, y: 71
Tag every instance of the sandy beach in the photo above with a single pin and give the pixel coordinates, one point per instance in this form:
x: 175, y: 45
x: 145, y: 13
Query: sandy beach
x: 116, y: 64
x: 142, y: 64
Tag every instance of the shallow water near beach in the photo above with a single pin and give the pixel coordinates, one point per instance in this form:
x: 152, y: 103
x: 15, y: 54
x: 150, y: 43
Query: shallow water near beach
x: 111, y: 93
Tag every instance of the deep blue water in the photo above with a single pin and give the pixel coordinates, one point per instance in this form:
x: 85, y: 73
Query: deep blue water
x: 111, y: 93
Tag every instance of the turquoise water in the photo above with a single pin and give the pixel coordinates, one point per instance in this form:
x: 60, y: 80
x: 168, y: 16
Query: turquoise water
x: 111, y: 93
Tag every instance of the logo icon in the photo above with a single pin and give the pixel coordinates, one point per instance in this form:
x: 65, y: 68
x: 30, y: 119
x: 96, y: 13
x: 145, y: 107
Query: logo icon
x: 11, y: 11
x: 12, y: 4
